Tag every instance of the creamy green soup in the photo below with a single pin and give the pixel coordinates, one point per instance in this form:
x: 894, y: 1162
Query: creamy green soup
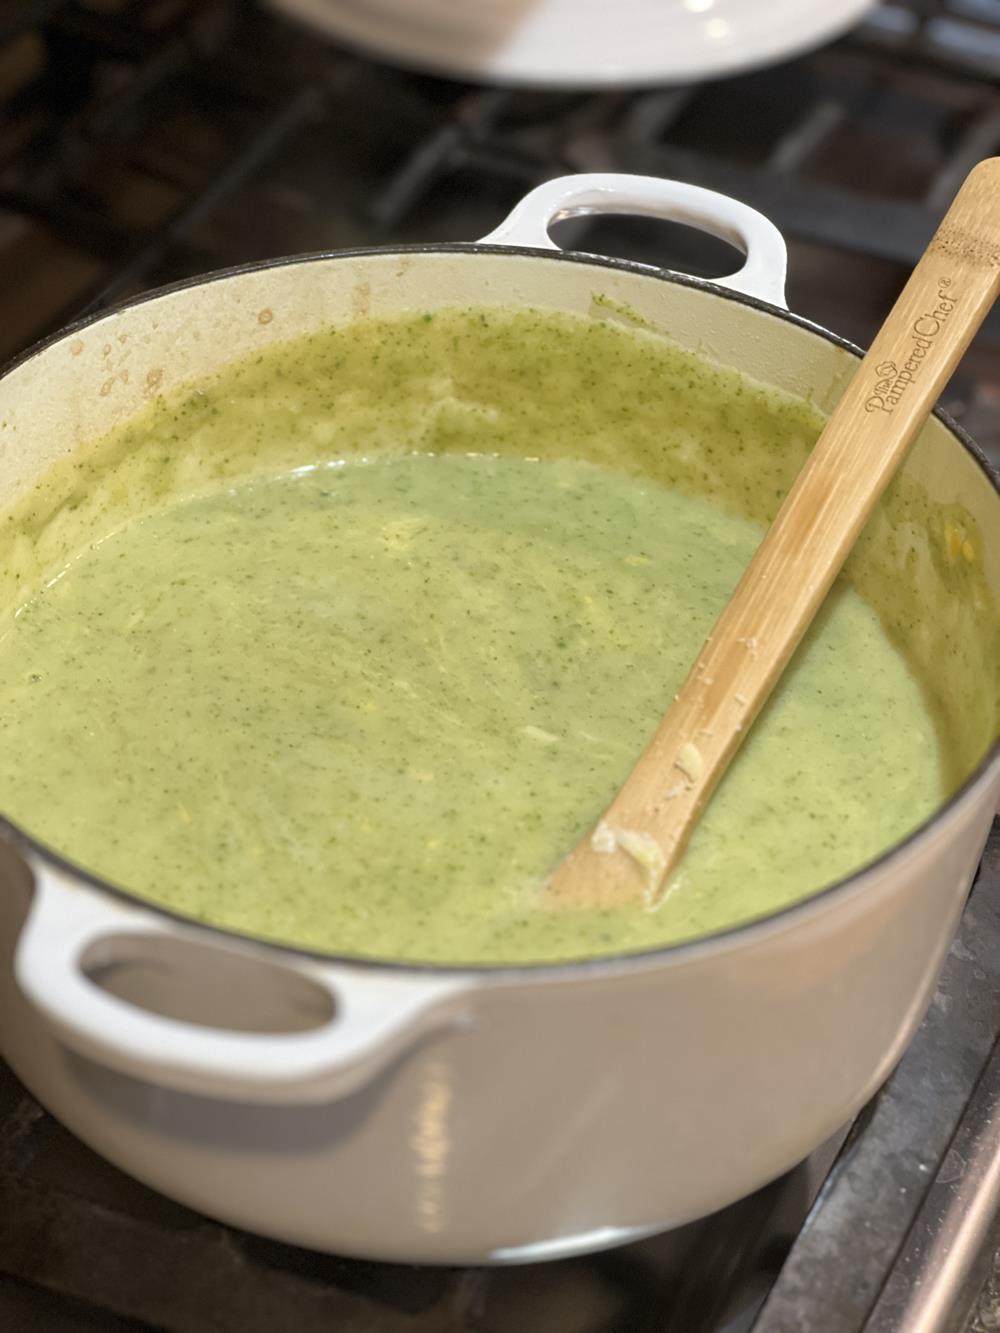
x: 361, y: 700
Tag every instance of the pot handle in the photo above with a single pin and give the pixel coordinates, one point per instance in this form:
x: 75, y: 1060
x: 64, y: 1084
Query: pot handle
x: 376, y: 1014
x: 763, y: 274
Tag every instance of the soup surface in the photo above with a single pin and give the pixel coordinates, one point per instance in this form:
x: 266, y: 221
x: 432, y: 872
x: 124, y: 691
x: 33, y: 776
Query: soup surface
x: 364, y: 706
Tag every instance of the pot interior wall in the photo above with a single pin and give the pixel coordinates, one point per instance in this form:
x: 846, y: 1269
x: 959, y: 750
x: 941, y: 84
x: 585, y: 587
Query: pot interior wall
x: 929, y: 561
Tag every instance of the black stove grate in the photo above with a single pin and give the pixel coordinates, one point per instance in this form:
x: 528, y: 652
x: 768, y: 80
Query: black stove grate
x: 143, y: 141
x: 892, y: 117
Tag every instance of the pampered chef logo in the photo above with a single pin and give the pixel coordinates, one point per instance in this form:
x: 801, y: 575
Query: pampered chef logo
x: 893, y: 380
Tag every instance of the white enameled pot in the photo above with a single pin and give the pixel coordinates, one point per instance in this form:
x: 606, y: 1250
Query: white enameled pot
x: 437, y: 1115
x: 584, y: 44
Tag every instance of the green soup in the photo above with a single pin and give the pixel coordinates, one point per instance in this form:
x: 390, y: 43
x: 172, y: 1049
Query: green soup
x: 359, y: 689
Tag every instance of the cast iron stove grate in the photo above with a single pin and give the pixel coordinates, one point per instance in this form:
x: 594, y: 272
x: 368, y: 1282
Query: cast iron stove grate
x: 144, y: 142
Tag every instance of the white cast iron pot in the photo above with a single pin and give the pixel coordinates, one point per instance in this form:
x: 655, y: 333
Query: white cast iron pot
x: 428, y: 1114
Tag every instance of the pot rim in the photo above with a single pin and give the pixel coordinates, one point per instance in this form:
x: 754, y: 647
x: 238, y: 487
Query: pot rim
x: 741, y: 933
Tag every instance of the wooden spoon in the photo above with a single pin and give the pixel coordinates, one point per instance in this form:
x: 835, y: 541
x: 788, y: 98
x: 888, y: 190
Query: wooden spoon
x: 634, y: 848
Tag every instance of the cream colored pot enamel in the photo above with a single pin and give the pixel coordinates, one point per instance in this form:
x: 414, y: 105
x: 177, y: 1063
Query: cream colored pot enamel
x: 441, y: 1115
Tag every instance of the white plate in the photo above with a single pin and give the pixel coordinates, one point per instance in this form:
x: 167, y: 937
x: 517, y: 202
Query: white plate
x: 580, y: 43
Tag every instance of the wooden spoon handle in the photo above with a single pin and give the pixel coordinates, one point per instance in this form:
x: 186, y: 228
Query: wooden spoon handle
x: 643, y: 833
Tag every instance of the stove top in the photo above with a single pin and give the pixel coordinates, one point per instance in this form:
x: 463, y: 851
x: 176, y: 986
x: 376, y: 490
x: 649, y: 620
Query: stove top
x: 147, y: 140
x: 142, y: 141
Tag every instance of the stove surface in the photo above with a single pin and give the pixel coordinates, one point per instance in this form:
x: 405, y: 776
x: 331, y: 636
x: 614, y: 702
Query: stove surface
x: 145, y: 142
x: 142, y: 142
